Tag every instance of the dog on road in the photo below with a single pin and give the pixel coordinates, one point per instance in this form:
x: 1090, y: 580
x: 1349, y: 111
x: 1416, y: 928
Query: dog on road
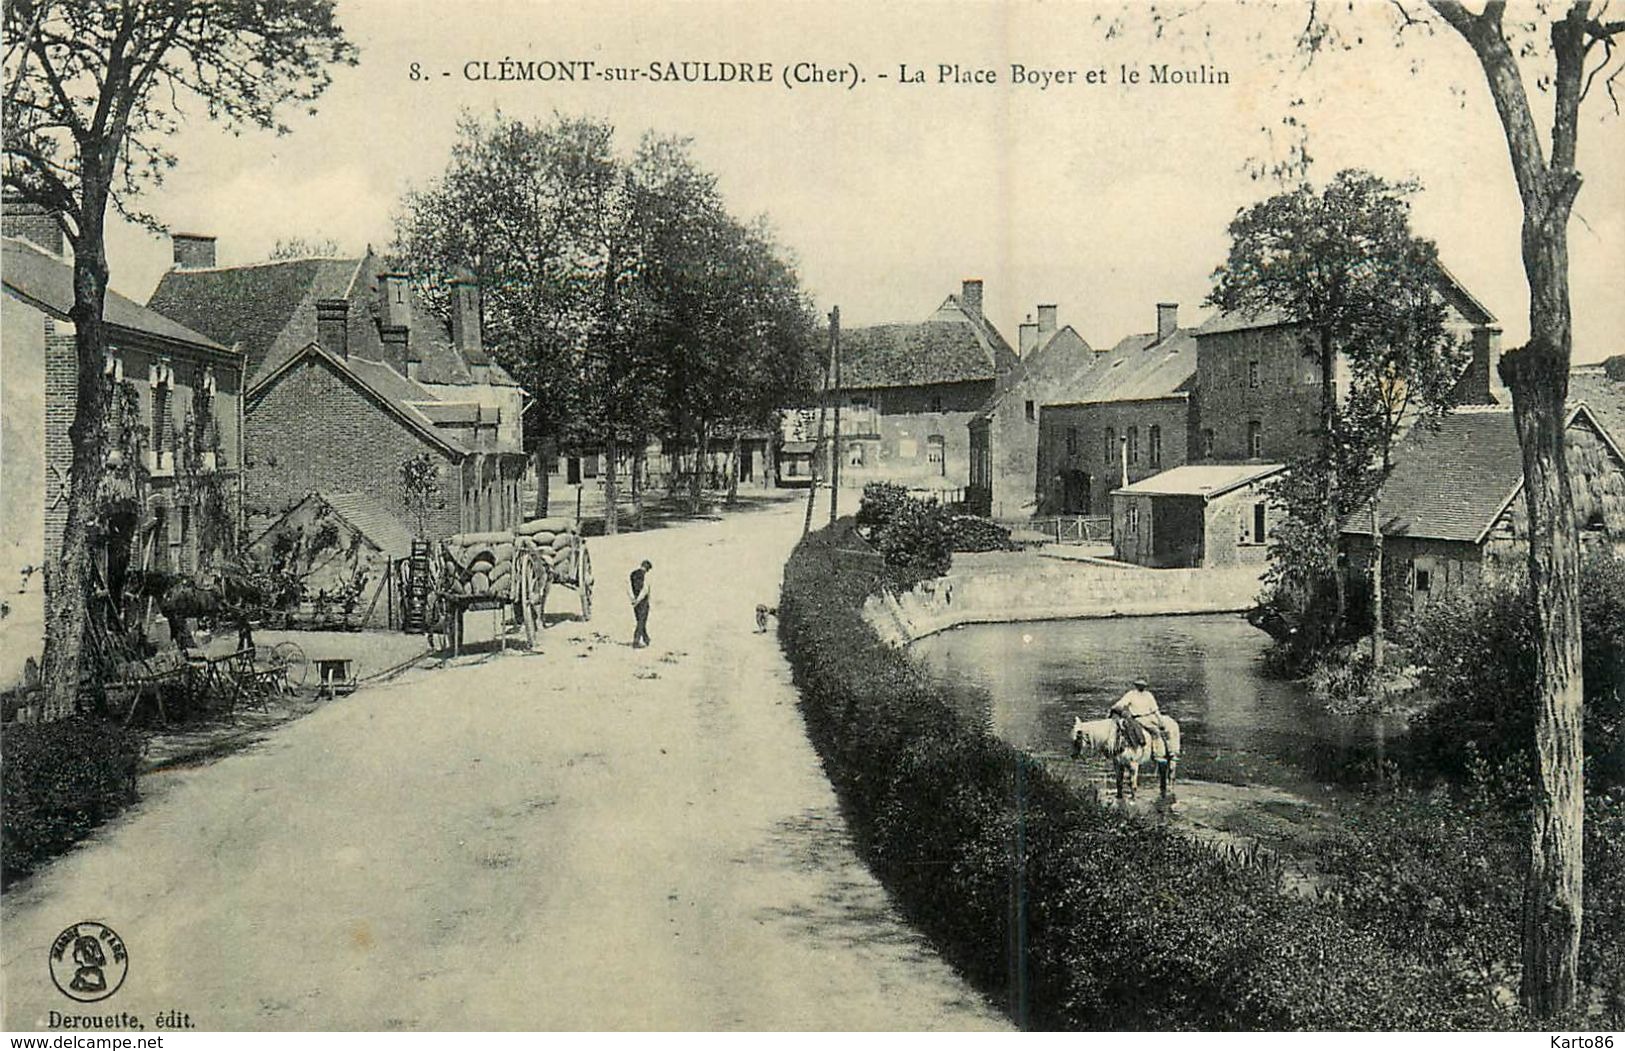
x: 762, y: 613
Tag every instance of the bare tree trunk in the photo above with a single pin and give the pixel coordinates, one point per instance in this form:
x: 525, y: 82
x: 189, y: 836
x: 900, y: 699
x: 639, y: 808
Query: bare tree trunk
x: 612, y: 489
x: 733, y: 471
x: 1378, y: 634
x: 1538, y: 375
x: 544, y: 459
x: 696, y: 480
x: 66, y: 574
x: 638, y: 459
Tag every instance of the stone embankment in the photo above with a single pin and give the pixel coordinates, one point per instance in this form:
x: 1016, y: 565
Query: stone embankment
x: 1024, y: 586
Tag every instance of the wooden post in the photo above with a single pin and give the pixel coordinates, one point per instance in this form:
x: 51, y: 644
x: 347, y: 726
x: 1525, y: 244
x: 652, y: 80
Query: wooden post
x: 818, y: 445
x: 835, y: 443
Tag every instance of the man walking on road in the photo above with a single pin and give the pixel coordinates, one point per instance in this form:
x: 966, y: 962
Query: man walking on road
x: 639, y: 592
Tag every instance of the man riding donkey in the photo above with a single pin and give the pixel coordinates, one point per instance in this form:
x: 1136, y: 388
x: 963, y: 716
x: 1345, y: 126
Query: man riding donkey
x: 1137, y: 714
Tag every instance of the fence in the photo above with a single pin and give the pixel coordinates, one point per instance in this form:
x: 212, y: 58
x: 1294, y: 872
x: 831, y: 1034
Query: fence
x: 1065, y: 529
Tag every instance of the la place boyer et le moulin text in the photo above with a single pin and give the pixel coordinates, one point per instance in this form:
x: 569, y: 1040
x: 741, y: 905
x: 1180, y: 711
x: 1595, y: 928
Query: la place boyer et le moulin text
x: 807, y: 73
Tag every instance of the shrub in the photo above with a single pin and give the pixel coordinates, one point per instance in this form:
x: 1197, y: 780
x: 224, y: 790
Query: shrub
x: 1079, y: 915
x: 61, y: 780
x: 879, y: 503
x: 970, y: 533
x: 1476, y: 652
x: 915, y: 539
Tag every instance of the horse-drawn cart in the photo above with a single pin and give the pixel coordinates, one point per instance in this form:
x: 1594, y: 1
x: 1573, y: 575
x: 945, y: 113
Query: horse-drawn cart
x: 505, y: 572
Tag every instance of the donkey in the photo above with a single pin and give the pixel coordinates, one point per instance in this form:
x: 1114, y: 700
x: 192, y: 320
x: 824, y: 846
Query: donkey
x: 1104, y: 738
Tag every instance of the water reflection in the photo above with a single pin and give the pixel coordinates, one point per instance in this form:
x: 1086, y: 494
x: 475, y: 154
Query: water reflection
x: 1206, y: 672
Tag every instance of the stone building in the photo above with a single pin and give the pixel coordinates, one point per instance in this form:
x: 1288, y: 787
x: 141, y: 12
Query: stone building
x: 1196, y: 516
x: 909, y: 391
x: 1004, y: 480
x: 1128, y: 415
x: 350, y: 375
x: 1451, y: 510
x: 1260, y: 390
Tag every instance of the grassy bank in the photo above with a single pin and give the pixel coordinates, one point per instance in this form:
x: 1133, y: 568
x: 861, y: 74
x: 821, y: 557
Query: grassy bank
x: 1074, y: 914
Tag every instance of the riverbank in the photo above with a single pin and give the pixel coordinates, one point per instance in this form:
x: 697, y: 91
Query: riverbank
x: 1002, y: 587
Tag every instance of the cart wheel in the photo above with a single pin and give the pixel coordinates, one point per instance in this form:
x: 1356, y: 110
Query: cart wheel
x: 523, y: 585
x: 289, y: 658
x: 584, y: 583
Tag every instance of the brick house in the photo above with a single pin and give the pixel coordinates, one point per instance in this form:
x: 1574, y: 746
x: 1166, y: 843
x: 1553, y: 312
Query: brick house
x: 1451, y: 509
x: 909, y: 391
x: 350, y: 375
x: 1129, y: 412
x: 1004, y: 478
x: 1260, y: 391
x: 172, y: 492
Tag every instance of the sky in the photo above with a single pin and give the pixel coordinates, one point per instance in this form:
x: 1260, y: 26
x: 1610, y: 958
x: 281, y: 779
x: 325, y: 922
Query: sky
x: 1102, y: 198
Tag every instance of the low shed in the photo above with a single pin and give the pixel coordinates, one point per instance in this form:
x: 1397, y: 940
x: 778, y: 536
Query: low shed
x: 1195, y: 515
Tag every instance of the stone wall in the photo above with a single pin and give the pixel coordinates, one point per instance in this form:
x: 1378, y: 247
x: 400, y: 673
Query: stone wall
x: 1032, y: 587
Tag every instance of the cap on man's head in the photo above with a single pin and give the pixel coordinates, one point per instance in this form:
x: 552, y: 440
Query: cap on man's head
x: 1141, y: 683
x: 647, y: 564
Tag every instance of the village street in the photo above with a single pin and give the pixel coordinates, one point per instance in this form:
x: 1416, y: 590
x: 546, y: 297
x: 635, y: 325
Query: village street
x: 593, y: 837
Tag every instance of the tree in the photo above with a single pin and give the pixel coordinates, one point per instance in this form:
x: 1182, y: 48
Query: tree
x: 420, y: 489
x: 305, y: 248
x: 93, y: 92
x: 1565, y: 50
x: 1343, y: 264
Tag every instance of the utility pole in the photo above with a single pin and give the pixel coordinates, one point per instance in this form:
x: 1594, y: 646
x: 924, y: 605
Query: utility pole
x: 1123, y: 445
x: 835, y: 443
x: 818, y: 445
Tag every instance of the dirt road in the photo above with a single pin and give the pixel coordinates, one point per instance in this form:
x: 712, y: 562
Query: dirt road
x: 592, y: 837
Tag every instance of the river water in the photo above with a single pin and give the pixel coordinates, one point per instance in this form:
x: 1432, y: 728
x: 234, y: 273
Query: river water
x: 1238, y: 724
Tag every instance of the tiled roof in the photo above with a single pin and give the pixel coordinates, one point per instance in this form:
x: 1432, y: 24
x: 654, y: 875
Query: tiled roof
x: 1138, y: 368
x: 370, y: 519
x: 914, y: 354
x: 1206, y: 480
x: 1452, y: 483
x: 271, y: 309
x: 48, y: 281
x: 1236, y: 321
x: 1451, y: 289
x: 1603, y: 396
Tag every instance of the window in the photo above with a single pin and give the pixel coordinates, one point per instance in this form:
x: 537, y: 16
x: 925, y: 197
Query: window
x: 1424, y: 580
x: 1072, y: 441
x: 936, y: 403
x: 1255, y: 439
x: 1207, y: 443
x: 1154, y: 436
x: 863, y: 415
x: 1258, y: 523
x: 1108, y: 447
x: 1252, y: 375
x: 1134, y: 445
x: 1032, y: 412
x: 935, y: 454
x: 1133, y: 518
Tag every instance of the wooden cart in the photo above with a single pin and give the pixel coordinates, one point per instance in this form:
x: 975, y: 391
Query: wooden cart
x: 486, y: 571
x: 562, y: 550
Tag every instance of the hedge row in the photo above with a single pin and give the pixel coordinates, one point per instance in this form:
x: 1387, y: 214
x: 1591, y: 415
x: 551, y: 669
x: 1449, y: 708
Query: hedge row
x: 1074, y: 914
x: 60, y: 780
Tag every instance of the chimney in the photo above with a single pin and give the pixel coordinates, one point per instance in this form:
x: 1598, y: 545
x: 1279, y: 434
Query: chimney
x: 393, y: 306
x: 33, y: 223
x: 1047, y: 323
x: 970, y: 297
x: 193, y: 251
x: 465, y: 316
x: 1480, y: 383
x: 1167, y: 320
x: 332, y: 326
x: 1027, y: 337
x: 394, y: 339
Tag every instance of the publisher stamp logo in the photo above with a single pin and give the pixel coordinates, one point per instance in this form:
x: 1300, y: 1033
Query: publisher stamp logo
x: 89, y: 961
